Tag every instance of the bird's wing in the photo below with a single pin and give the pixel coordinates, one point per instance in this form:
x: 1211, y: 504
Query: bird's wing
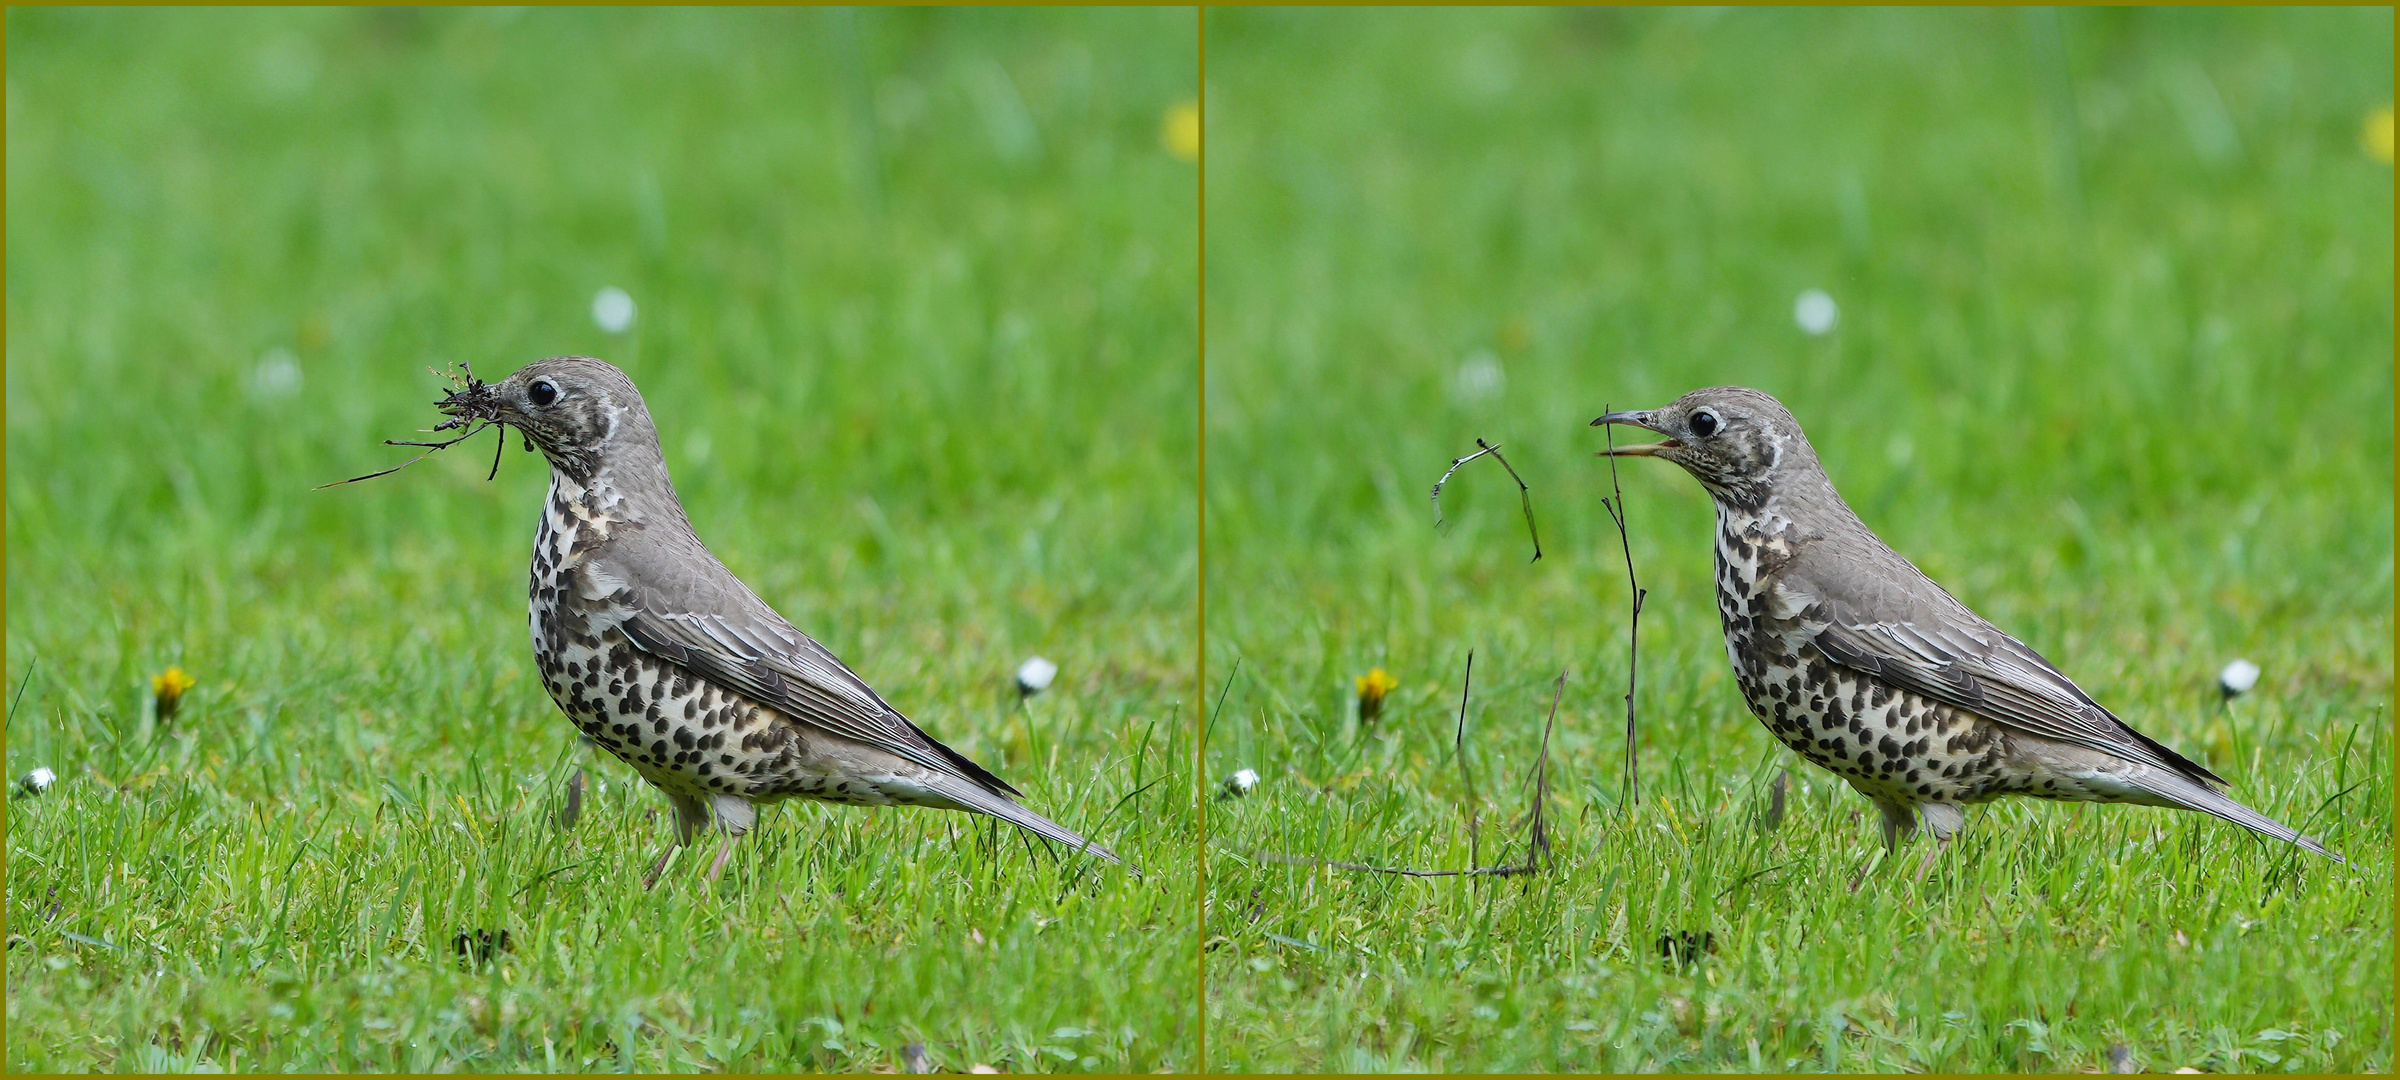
x: 1914, y: 636
x: 713, y: 625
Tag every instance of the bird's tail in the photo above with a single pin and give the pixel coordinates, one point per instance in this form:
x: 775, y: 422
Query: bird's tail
x: 970, y: 796
x: 2190, y: 794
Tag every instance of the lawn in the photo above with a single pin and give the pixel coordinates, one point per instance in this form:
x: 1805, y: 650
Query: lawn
x: 2113, y: 362
x: 915, y: 314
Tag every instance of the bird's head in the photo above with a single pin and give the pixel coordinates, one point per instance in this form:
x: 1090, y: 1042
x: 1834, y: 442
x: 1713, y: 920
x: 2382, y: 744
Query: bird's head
x: 1736, y: 441
x: 578, y: 410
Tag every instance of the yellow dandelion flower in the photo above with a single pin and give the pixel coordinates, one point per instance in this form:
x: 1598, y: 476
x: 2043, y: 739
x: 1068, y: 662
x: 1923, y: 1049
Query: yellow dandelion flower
x: 168, y: 687
x: 1372, y: 687
x: 1181, y: 131
x: 2376, y: 136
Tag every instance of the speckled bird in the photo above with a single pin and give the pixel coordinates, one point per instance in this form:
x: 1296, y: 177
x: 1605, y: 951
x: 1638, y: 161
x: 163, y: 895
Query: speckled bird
x: 1856, y: 660
x: 664, y: 658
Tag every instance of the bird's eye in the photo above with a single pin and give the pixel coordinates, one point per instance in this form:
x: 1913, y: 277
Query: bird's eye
x: 1704, y: 423
x: 543, y: 391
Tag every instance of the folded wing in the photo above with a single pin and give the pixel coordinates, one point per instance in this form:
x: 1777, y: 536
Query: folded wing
x: 756, y: 651
x: 1917, y: 637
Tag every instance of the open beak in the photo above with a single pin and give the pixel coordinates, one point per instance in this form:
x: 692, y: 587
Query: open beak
x: 1642, y: 419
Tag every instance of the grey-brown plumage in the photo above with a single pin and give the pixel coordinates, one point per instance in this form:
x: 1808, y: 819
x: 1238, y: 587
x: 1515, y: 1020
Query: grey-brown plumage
x: 666, y: 660
x: 1855, y: 659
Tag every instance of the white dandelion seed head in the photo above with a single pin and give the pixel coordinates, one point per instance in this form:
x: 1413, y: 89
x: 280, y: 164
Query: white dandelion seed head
x: 2237, y: 678
x: 1034, y: 676
x: 612, y: 309
x: 1816, y: 312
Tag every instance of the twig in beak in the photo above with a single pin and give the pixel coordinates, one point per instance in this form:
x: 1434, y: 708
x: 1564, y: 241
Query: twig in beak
x: 464, y: 383
x: 432, y: 448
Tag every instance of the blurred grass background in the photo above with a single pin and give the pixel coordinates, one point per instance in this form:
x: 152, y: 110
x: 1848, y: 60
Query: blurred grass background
x: 916, y: 317
x: 2113, y: 363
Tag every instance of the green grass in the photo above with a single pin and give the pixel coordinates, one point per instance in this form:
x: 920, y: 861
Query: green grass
x: 2114, y: 365
x: 917, y: 322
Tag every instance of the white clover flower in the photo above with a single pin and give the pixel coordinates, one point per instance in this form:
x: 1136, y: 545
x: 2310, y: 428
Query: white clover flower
x: 1240, y: 783
x: 2237, y: 678
x: 1816, y: 312
x: 37, y: 781
x: 1034, y: 676
x: 613, y: 309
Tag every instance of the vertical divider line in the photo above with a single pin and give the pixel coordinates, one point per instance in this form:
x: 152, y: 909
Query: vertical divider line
x: 1200, y: 533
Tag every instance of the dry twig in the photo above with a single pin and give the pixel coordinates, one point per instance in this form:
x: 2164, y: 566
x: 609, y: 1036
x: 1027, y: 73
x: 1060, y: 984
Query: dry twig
x: 1524, y: 494
x: 1537, y: 846
x: 1631, y: 792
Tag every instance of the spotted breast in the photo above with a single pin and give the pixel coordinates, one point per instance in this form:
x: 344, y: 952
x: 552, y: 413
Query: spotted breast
x: 1896, y: 747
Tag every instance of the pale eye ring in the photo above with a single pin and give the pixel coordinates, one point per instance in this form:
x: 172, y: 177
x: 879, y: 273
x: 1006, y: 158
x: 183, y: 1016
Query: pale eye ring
x: 542, y: 392
x: 1703, y: 423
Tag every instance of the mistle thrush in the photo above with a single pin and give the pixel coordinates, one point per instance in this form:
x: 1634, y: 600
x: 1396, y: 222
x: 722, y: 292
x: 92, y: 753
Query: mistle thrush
x: 1854, y: 658
x: 664, y: 658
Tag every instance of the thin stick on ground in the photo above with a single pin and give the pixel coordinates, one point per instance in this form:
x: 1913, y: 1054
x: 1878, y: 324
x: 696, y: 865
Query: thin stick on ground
x: 1458, y: 744
x: 1537, y: 837
x: 21, y: 685
x: 1524, y: 493
x: 1211, y: 727
x: 1458, y: 751
x: 1400, y: 871
x: 1631, y: 791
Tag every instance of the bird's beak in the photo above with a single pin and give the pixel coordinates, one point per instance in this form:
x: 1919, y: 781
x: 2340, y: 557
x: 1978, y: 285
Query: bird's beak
x: 1642, y: 418
x: 474, y: 401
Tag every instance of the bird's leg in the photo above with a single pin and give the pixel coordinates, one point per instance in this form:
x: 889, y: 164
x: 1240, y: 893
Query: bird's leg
x: 1943, y: 821
x: 724, y: 854
x: 735, y: 815
x: 1859, y: 876
x: 650, y: 880
x: 1899, y: 824
x: 1933, y: 851
x: 691, y: 815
